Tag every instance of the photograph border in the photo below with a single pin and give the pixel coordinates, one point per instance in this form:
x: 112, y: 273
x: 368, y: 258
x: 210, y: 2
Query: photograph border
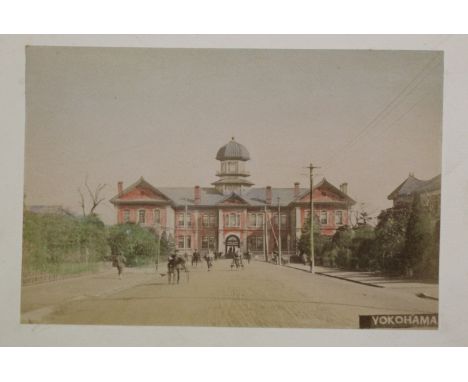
x: 453, y: 328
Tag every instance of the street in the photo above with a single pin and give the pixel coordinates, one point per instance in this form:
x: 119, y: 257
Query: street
x: 260, y: 295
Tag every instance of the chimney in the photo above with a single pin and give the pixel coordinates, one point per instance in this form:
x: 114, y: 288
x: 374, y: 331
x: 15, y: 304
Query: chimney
x: 197, y: 194
x: 268, y: 194
x: 119, y: 188
x: 344, y: 188
x: 296, y: 189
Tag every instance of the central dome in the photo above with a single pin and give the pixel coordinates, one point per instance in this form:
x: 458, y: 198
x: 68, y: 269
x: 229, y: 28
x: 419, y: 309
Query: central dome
x: 234, y: 151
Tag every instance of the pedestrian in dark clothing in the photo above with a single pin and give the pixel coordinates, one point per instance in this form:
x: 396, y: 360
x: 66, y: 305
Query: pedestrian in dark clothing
x: 119, y: 261
x: 248, y: 256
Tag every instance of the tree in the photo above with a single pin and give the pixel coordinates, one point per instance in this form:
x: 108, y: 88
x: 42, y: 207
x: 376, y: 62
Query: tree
x: 137, y: 244
x: 362, y: 247
x: 94, y: 197
x: 93, y: 238
x: 303, y: 244
x: 390, y: 238
x: 342, y: 240
x: 419, y: 240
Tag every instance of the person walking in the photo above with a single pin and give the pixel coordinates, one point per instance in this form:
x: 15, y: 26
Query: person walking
x: 209, y: 259
x: 118, y: 261
x: 248, y: 256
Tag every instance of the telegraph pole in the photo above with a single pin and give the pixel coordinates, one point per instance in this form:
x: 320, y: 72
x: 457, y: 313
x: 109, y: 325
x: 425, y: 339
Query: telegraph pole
x: 279, y: 232
x: 159, y: 247
x: 311, y: 219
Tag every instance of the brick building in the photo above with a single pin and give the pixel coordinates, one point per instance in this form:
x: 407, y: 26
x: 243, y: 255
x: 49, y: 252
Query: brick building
x: 232, y: 214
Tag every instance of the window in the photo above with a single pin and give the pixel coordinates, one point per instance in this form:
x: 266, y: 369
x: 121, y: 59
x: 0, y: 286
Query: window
x: 180, y: 220
x: 339, y: 217
x: 232, y: 220
x: 184, y: 242
x: 284, y: 220
x: 141, y: 216
x: 256, y: 220
x: 209, y: 221
x: 126, y: 216
x: 213, y: 220
x: 323, y: 217
x: 156, y: 216
x: 256, y: 243
x: 204, y: 242
x: 232, y: 167
x: 252, y: 220
x: 208, y: 242
x: 180, y: 242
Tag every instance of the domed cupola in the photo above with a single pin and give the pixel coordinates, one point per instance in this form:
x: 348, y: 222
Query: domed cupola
x: 233, y: 151
x: 233, y: 175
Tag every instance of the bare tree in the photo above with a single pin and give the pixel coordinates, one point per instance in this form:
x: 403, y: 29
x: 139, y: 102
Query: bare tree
x: 95, y: 197
x: 82, y: 201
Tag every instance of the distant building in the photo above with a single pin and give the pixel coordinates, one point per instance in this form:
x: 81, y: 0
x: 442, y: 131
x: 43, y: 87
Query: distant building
x: 49, y: 210
x: 429, y: 190
x: 232, y: 214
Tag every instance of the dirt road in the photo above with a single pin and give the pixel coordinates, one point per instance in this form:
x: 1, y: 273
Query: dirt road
x: 261, y: 295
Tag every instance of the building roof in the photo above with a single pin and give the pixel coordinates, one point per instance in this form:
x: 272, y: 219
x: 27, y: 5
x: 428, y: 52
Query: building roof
x: 211, y: 197
x: 325, y: 183
x: 233, y: 150
x: 233, y: 180
x: 412, y: 185
x: 49, y: 210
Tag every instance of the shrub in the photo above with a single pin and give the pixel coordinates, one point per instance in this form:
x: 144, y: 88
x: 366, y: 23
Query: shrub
x: 420, y: 253
x: 137, y: 244
x: 51, y: 240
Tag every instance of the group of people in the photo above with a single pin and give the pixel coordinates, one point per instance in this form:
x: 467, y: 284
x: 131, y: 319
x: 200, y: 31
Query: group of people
x: 178, y: 261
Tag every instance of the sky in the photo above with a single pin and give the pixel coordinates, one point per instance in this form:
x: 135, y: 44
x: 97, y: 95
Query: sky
x: 365, y: 117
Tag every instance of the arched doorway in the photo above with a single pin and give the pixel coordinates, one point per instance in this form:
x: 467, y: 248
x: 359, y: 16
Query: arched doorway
x: 232, y: 244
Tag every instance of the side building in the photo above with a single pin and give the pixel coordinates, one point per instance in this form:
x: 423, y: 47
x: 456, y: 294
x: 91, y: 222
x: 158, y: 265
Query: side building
x: 429, y: 190
x: 232, y: 214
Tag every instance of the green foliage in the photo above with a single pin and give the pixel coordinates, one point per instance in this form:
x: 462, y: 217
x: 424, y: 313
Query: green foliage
x: 303, y: 244
x: 51, y: 240
x: 138, y: 245
x: 404, y: 242
x: 390, y: 240
x: 167, y: 246
x: 421, y: 246
x: 93, y: 238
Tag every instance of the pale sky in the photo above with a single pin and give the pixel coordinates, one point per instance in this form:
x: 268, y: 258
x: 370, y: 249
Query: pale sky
x: 366, y: 117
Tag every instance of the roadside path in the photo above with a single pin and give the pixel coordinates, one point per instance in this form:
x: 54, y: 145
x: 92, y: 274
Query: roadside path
x: 417, y: 287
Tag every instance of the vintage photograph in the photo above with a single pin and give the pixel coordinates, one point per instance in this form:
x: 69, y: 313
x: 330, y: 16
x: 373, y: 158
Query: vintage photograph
x: 266, y: 188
